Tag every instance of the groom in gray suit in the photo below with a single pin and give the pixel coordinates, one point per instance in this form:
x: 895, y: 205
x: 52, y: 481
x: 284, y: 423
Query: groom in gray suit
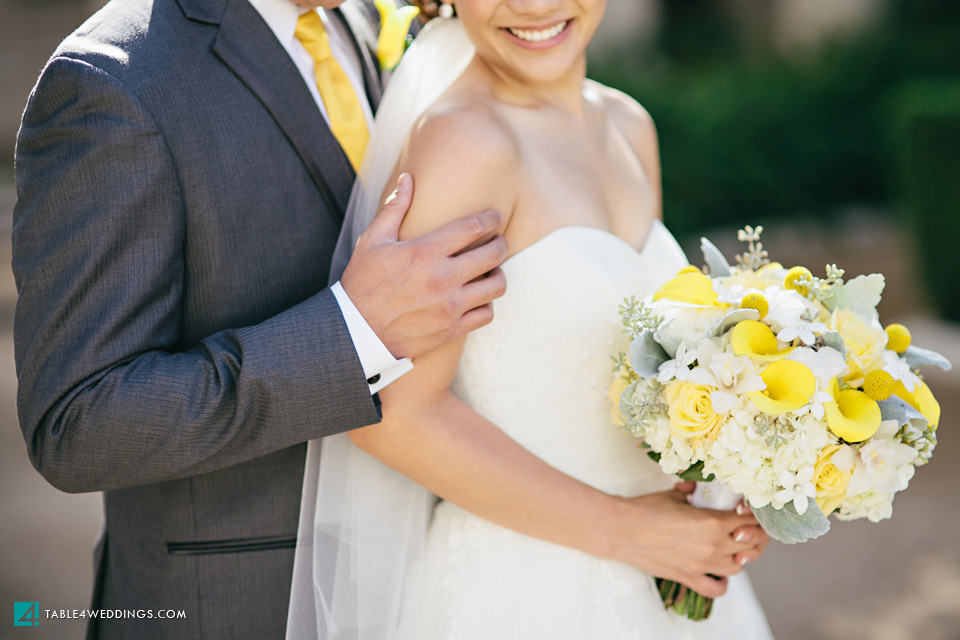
x: 180, y: 194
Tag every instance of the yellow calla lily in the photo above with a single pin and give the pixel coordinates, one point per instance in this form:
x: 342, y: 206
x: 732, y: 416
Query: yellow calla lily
x: 920, y: 399
x: 394, y: 25
x: 854, y: 416
x: 790, y: 385
x: 757, y: 340
x: 690, y: 286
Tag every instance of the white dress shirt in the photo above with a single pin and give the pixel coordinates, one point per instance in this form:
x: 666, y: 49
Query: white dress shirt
x: 379, y: 365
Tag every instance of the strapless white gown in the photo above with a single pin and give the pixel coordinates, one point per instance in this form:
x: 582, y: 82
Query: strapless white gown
x: 541, y: 372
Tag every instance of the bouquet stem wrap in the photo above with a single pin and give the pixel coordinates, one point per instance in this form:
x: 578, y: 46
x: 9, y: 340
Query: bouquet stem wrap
x: 683, y: 600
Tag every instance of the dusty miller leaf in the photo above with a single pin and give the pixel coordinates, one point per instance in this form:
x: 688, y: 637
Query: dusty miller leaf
x: 646, y: 355
x: 731, y: 319
x: 788, y: 526
x: 918, y: 357
x: 835, y: 341
x: 716, y: 263
x: 861, y: 295
x: 895, y: 408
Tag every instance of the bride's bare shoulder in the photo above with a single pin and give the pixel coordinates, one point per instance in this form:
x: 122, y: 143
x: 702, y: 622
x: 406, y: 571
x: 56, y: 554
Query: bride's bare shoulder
x: 630, y: 116
x: 471, y: 131
x: 463, y: 159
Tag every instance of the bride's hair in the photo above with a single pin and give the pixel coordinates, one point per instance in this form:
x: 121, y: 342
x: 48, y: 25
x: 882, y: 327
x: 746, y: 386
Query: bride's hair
x: 429, y: 9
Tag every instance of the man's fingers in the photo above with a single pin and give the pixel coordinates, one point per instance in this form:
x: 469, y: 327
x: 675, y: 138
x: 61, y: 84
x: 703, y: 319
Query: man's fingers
x: 386, y: 226
x: 485, y: 290
x: 476, y: 262
x: 474, y: 319
x: 460, y: 234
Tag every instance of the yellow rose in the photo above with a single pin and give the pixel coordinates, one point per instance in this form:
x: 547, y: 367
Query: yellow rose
x: 831, y: 483
x: 691, y: 410
x: 865, y: 343
x: 765, y: 276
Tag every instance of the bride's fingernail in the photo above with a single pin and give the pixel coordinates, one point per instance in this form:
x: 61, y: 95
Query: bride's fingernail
x: 739, y: 537
x: 391, y: 197
x: 743, y: 561
x: 741, y: 509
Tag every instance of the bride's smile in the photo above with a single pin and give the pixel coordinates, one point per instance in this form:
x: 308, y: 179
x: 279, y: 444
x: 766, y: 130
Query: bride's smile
x: 540, y: 38
x: 533, y: 41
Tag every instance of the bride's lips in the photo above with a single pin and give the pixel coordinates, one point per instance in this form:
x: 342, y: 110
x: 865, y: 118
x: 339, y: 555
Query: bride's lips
x: 540, y: 37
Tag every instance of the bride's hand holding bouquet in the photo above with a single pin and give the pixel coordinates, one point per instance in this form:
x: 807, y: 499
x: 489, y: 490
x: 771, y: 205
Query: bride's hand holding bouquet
x: 782, y: 387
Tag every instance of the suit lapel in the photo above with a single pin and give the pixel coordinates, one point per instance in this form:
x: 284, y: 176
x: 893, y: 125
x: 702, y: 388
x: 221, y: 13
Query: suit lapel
x: 247, y: 46
x: 365, y: 42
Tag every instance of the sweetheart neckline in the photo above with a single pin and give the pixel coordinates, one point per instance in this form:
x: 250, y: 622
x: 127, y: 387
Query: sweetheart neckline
x: 603, y: 232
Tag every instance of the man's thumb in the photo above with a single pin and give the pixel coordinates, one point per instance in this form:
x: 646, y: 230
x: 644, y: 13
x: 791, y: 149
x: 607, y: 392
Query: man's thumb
x: 386, y: 226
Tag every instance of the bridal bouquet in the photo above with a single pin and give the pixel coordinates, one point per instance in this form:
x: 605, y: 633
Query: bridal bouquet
x: 782, y: 387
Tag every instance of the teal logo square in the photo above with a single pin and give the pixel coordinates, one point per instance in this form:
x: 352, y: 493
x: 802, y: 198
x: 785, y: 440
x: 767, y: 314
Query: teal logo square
x: 26, y: 614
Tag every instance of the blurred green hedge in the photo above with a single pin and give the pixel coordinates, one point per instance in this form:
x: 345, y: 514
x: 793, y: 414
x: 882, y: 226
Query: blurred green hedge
x: 748, y: 134
x: 926, y: 137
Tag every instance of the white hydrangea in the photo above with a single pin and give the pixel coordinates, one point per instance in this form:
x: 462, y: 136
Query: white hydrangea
x: 874, y: 506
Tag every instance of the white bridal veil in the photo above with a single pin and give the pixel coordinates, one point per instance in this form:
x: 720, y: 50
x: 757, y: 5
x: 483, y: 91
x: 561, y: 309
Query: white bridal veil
x: 363, y: 525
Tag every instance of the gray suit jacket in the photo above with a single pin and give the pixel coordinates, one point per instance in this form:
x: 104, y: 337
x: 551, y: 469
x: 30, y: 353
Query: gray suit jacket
x: 179, y: 198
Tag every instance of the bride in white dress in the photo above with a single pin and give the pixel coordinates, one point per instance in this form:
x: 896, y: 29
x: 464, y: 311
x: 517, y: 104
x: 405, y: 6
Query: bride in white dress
x: 574, y: 167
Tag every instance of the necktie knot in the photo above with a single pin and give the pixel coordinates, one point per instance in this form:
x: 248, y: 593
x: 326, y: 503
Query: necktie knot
x: 344, y: 111
x: 313, y: 35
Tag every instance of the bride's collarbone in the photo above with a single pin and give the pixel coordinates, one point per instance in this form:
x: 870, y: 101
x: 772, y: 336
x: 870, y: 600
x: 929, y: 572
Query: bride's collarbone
x: 563, y: 186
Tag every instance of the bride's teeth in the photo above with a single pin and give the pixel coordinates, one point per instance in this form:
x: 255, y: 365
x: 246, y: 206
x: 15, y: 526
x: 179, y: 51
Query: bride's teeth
x: 539, y: 36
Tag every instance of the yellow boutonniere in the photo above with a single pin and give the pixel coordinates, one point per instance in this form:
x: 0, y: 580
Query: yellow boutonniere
x: 394, y: 25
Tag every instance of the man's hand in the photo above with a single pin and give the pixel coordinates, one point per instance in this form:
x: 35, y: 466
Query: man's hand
x: 418, y: 294
x: 674, y: 540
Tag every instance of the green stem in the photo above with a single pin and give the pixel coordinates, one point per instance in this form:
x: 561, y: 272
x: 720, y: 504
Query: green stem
x: 683, y: 601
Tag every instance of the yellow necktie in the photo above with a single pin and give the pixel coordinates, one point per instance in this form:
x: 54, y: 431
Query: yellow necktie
x: 347, y: 121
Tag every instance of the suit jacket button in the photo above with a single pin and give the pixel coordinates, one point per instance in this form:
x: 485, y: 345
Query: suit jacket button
x: 373, y: 379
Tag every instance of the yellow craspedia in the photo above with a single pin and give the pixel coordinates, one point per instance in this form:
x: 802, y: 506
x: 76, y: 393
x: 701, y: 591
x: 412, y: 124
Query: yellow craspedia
x: 878, y: 385
x: 755, y: 301
x: 794, y: 275
x: 898, y: 337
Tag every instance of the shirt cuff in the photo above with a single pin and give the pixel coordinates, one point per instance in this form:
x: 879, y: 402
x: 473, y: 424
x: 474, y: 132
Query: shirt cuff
x: 379, y: 366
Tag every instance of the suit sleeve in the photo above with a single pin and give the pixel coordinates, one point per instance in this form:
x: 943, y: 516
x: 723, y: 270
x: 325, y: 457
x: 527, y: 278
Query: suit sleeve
x: 104, y: 399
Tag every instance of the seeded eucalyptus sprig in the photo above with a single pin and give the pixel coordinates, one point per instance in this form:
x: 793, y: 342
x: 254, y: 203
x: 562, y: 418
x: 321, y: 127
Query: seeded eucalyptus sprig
x: 823, y: 290
x: 755, y: 255
x: 637, y: 317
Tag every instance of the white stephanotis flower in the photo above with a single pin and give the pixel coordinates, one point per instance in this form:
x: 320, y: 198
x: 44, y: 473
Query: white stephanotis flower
x: 679, y: 367
x: 797, y: 488
x: 898, y: 368
x: 805, y: 330
x: 732, y: 375
x: 787, y: 308
x: 826, y: 364
x: 876, y: 465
